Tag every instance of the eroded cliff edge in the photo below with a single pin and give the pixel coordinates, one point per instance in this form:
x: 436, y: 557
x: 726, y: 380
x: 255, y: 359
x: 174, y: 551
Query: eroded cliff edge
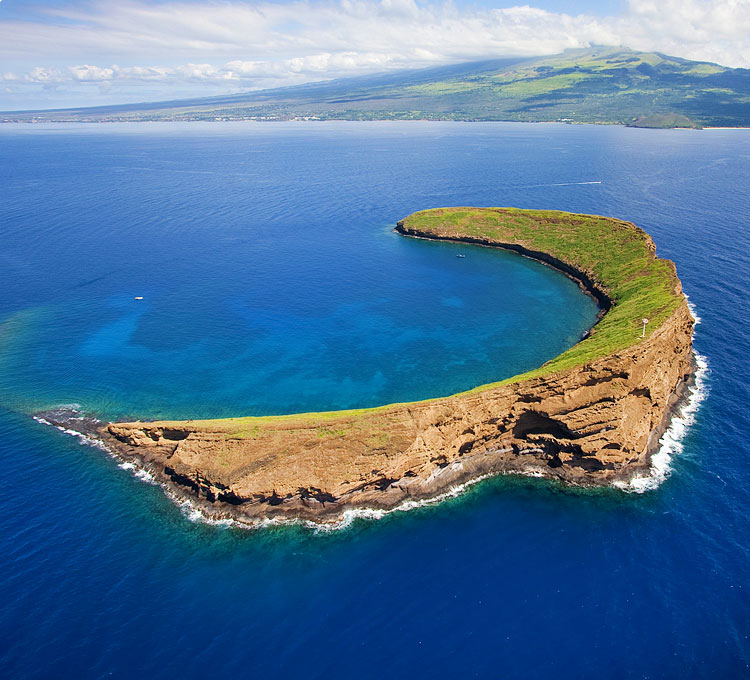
x: 591, y: 416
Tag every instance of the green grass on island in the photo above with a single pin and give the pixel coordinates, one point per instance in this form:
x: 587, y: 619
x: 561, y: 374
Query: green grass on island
x: 616, y: 255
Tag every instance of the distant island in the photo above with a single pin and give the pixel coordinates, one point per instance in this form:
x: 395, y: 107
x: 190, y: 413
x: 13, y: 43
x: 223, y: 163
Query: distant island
x: 608, y: 85
x: 592, y: 416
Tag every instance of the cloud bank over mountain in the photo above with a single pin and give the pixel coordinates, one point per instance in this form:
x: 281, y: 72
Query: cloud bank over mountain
x: 89, y: 53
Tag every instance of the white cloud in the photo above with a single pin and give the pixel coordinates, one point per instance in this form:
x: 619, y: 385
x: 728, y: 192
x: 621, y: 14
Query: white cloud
x: 708, y: 30
x: 91, y: 74
x: 236, y: 44
x: 43, y: 75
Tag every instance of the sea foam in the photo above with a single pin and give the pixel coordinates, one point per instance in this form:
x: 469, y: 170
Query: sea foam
x: 672, y: 441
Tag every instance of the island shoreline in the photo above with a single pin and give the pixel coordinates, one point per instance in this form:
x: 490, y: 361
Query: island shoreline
x: 89, y: 429
x: 573, y: 425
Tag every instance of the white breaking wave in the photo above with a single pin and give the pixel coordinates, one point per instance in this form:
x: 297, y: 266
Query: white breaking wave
x: 84, y: 438
x: 349, y: 516
x: 192, y: 513
x: 694, y: 313
x: 672, y: 441
x: 343, y: 521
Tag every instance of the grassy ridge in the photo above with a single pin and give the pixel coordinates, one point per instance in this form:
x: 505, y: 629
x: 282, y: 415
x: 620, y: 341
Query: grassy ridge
x: 618, y: 256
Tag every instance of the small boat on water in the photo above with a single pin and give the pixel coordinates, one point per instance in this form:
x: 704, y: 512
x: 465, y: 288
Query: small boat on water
x: 460, y: 255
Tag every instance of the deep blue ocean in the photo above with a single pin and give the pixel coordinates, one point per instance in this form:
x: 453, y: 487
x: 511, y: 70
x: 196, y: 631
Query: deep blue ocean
x: 272, y: 282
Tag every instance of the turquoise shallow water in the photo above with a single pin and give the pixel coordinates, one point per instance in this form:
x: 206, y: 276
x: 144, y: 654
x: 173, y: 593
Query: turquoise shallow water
x: 272, y: 281
x: 104, y: 577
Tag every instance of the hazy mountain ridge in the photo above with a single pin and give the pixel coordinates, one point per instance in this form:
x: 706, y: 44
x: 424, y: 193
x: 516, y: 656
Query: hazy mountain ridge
x: 598, y: 85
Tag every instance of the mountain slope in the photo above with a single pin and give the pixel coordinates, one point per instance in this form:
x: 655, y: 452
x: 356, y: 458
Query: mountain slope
x: 598, y: 85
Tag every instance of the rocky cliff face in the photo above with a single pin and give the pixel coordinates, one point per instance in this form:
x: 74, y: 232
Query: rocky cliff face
x: 591, y: 425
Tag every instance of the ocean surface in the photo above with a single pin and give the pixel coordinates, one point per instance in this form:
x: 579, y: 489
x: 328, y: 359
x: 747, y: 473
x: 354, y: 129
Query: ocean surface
x: 272, y: 282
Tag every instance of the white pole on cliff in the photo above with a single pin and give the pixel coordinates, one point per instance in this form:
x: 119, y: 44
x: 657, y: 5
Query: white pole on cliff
x: 645, y: 321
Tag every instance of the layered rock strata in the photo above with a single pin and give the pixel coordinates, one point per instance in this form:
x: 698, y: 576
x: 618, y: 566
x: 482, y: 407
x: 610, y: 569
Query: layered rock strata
x: 590, y: 424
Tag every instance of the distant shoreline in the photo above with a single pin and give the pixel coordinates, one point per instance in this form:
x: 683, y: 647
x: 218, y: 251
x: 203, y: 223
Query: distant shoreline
x: 343, y: 120
x: 600, y: 85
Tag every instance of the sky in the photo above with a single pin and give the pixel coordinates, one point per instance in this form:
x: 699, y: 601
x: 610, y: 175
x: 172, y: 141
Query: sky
x: 68, y: 53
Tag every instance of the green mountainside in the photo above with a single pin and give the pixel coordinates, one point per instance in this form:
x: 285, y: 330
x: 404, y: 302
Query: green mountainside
x: 597, y: 85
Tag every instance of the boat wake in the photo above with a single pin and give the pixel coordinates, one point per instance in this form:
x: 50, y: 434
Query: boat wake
x: 558, y: 184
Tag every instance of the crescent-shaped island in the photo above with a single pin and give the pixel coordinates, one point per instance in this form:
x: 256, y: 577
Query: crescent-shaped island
x: 592, y: 416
